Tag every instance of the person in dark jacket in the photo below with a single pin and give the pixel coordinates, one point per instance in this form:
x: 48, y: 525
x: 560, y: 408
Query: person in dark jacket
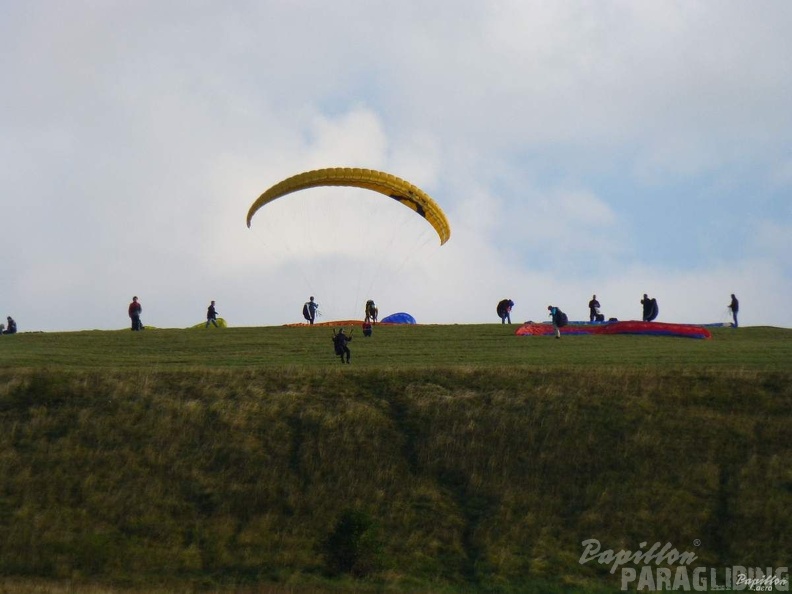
x: 555, y: 317
x: 310, y: 309
x: 650, y: 308
x: 211, y: 315
x: 594, y: 312
x: 11, y: 327
x: 340, y: 343
x: 734, y: 306
x: 504, y: 310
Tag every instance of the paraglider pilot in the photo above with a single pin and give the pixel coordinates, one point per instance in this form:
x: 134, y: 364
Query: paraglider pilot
x: 650, y: 308
x: 504, y: 310
x: 555, y: 317
x: 135, y: 309
x: 594, y: 313
x: 11, y: 328
x: 309, y: 310
x: 340, y: 341
x: 734, y: 306
x: 371, y: 311
x: 211, y: 315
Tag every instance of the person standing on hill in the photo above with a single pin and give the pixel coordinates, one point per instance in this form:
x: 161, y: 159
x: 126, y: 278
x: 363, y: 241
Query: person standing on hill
x: 650, y: 308
x: 211, y: 315
x: 647, y: 307
x: 734, y: 306
x: 594, y: 306
x: 135, y: 309
x: 310, y: 308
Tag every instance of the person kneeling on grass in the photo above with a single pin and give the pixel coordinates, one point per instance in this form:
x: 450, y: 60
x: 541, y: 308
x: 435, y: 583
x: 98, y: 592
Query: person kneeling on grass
x: 340, y: 341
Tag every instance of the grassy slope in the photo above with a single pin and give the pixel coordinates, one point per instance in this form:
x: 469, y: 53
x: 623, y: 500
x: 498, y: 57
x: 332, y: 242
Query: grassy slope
x: 481, y: 458
x: 399, y: 347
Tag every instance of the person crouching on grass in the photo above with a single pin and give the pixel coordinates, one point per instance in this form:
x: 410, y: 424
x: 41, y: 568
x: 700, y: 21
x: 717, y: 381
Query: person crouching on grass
x: 340, y: 341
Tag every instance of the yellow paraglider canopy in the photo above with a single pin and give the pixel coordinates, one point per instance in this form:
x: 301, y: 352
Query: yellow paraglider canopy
x: 406, y: 193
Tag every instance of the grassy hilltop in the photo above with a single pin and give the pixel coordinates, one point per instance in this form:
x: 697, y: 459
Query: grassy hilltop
x: 399, y: 347
x: 443, y: 459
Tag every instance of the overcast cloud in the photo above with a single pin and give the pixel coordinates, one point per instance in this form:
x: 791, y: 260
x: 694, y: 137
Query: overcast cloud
x: 609, y: 147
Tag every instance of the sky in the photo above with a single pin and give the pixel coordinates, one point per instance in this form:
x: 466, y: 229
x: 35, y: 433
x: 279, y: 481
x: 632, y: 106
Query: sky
x: 577, y: 147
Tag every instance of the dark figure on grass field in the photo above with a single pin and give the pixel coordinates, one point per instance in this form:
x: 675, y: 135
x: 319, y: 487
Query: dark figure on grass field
x: 650, y: 308
x: 594, y: 310
x: 135, y: 309
x: 504, y: 310
x: 734, y: 306
x: 310, y: 308
x: 372, y: 312
x: 11, y: 327
x: 211, y: 315
x: 340, y: 343
x: 559, y: 319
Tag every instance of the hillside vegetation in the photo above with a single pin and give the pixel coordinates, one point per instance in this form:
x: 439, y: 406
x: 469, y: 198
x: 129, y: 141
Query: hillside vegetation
x: 443, y: 459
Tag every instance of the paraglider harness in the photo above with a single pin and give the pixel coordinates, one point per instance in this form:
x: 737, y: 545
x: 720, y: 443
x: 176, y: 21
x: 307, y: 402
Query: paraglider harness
x: 654, y: 310
x: 340, y: 341
x: 560, y: 319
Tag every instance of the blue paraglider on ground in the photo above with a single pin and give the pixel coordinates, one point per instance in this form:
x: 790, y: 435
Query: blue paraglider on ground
x: 398, y: 318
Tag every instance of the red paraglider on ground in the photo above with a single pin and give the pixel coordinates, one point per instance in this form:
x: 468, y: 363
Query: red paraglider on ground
x: 631, y: 327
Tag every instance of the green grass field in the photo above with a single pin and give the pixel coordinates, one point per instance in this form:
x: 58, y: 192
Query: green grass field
x: 402, y: 347
x: 450, y: 459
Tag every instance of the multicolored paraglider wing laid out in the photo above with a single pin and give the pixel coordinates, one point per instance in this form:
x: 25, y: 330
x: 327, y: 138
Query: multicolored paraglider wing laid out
x: 651, y: 328
x: 406, y: 193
